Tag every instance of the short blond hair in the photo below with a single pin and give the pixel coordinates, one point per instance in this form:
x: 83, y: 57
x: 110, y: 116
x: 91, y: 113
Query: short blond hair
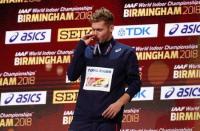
x: 102, y: 14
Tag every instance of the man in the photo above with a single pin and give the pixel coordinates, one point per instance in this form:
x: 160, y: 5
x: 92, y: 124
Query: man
x: 104, y: 68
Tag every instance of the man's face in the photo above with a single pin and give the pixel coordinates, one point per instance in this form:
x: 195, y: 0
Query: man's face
x: 102, y: 31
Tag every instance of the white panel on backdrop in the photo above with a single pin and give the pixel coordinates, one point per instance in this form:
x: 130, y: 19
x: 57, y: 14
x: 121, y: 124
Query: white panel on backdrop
x: 182, y: 29
x: 146, y: 93
x: 135, y: 31
x: 180, y: 92
x: 28, y: 36
x: 23, y: 98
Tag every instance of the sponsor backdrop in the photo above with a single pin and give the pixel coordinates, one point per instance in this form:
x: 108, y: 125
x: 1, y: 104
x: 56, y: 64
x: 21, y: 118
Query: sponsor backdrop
x: 37, y: 38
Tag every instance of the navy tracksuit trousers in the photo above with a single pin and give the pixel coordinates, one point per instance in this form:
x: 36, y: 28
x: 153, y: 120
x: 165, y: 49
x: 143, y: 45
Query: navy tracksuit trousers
x: 94, y: 126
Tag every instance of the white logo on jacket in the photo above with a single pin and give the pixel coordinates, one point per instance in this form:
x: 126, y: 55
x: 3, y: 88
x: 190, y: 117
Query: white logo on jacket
x: 118, y: 50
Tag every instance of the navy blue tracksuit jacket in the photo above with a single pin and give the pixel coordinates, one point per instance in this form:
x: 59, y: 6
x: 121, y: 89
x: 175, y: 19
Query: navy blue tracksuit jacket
x: 103, y: 79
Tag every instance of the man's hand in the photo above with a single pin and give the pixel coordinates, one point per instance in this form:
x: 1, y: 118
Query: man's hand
x: 112, y: 110
x: 88, y: 38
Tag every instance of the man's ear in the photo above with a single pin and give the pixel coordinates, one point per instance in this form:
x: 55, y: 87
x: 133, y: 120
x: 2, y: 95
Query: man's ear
x: 111, y: 28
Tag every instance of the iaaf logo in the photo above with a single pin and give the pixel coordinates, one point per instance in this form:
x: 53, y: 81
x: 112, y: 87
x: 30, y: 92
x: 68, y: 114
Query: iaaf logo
x: 180, y: 92
x: 182, y: 29
x: 146, y: 93
x: 28, y: 36
x: 135, y: 31
x: 23, y: 98
x: 177, y: 109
